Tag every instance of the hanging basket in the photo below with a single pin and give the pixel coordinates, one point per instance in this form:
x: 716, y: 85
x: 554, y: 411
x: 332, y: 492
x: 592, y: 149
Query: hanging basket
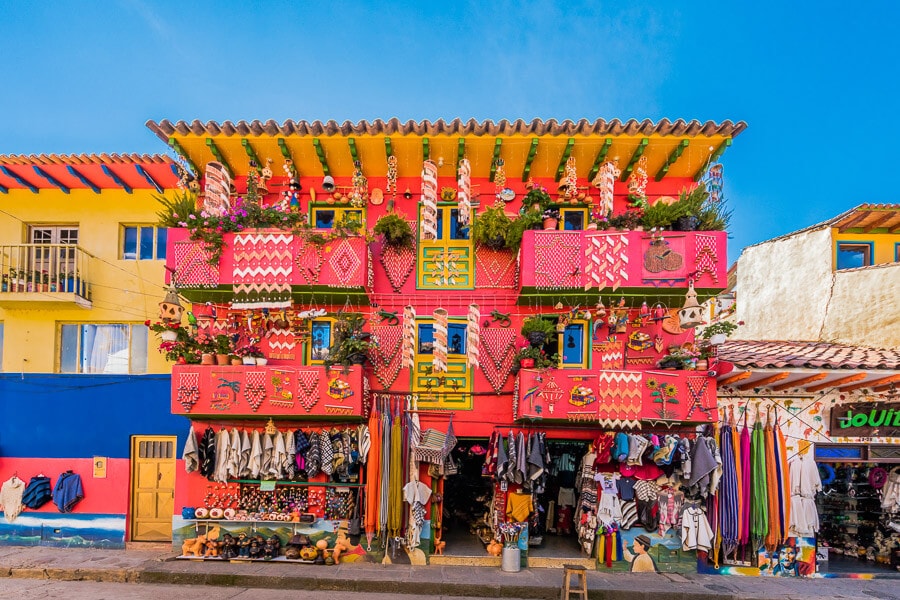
x: 168, y: 335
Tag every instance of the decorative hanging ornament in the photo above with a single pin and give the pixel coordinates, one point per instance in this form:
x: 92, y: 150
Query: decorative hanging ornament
x: 218, y: 189
x: 637, y: 184
x: 605, y: 182
x: 170, y: 309
x: 392, y: 176
x: 473, y: 335
x: 359, y: 192
x: 571, y: 178
x: 691, y: 314
x: 439, y: 357
x: 464, y: 195
x: 499, y: 178
x: 715, y: 183
x: 409, y: 337
x: 429, y: 200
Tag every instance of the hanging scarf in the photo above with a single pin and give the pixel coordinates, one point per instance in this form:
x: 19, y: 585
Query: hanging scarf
x: 207, y: 453
x: 313, y: 456
x: 191, y: 455
x: 759, y: 508
x: 774, y: 534
x: 745, y: 489
x: 728, y: 495
x: 373, y: 474
x: 395, y: 508
x: 781, y: 484
x: 290, y: 465
x: 256, y: 451
x: 244, y: 460
x: 502, y: 459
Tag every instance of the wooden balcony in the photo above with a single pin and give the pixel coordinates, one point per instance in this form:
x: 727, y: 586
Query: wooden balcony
x: 297, y: 392
x: 264, y: 264
x: 44, y: 276
x: 616, y: 398
x: 622, y: 261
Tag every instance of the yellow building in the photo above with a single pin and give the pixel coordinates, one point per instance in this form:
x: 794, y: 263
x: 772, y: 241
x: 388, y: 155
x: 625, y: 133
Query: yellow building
x: 81, y: 262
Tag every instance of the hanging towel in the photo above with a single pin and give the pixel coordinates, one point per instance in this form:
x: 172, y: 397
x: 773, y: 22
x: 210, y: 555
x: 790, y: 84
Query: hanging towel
x: 190, y: 455
x: 502, y: 459
x: 535, y: 460
x: 244, y: 461
x: 68, y: 491
x: 290, y: 464
x: 11, y: 497
x: 256, y: 454
x: 521, y: 459
x: 207, y: 453
x: 313, y: 456
x: 233, y: 466
x: 268, y: 455
x: 223, y: 442
x: 279, y: 456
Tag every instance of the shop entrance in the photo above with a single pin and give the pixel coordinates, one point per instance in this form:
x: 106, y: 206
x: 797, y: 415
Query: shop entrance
x: 152, y: 487
x: 472, y: 497
x: 857, y: 533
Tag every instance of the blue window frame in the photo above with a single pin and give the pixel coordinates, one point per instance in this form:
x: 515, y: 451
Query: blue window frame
x: 457, y: 231
x: 320, y: 340
x: 456, y: 338
x: 144, y: 242
x: 851, y: 255
x: 897, y: 252
x: 573, y: 344
x: 573, y: 220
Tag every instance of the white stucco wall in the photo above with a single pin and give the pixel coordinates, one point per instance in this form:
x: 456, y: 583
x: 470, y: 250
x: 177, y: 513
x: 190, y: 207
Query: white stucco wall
x: 783, y: 287
x: 865, y: 307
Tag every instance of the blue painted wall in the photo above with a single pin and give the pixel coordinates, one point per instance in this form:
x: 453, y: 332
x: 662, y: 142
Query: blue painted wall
x: 61, y: 416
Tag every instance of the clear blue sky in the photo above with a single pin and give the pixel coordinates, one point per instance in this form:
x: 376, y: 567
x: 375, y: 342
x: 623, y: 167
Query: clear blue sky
x: 817, y: 82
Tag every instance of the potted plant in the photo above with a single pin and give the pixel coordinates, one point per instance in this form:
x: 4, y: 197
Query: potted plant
x: 491, y: 228
x: 537, y: 329
x: 679, y: 358
x: 550, y: 218
x: 395, y: 230
x: 249, y: 353
x: 349, y: 350
x: 528, y: 219
x: 168, y: 331
x: 627, y: 221
x: 536, y: 357
x: 223, y: 349
x: 716, y: 333
x: 537, y: 198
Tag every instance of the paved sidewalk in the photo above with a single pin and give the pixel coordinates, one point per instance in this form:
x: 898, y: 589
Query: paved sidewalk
x: 158, y: 566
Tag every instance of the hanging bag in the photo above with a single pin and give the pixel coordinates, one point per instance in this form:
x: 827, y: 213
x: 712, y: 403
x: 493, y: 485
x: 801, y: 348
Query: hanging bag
x: 353, y: 527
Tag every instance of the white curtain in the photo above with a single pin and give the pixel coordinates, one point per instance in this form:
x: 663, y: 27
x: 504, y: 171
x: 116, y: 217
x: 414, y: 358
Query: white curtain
x: 105, y: 349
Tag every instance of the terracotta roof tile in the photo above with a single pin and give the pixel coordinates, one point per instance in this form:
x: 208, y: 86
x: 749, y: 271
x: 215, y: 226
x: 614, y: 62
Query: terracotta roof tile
x: 166, y: 128
x: 816, y: 355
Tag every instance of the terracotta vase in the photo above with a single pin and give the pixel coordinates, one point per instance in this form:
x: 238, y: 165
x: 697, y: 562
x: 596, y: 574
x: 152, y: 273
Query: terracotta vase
x: 222, y: 359
x: 207, y: 359
x: 550, y: 223
x: 236, y: 362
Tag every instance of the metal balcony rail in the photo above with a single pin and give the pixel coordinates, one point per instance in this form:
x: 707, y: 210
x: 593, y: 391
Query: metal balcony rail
x: 45, y: 268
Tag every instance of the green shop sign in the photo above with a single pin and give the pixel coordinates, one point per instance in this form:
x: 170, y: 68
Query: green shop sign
x: 868, y: 419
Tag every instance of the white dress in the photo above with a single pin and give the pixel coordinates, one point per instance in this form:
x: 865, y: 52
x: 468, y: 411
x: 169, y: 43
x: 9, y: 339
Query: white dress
x: 696, y: 534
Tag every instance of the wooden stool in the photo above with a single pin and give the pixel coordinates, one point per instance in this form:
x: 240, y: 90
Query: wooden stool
x: 580, y: 588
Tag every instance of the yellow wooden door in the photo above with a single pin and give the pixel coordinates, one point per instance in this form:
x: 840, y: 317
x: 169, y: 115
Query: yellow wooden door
x: 442, y: 390
x: 446, y: 262
x: 152, y: 487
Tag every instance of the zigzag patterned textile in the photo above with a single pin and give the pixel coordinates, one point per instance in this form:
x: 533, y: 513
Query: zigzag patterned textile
x: 619, y: 399
x: 388, y: 354
x: 605, y: 260
x: 498, y: 344
x: 706, y: 260
x: 557, y: 259
x: 192, y: 268
x: 262, y: 270
x: 495, y: 268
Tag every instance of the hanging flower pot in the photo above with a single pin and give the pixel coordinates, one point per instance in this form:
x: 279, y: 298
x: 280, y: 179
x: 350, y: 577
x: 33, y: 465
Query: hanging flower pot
x: 717, y: 339
x: 168, y: 335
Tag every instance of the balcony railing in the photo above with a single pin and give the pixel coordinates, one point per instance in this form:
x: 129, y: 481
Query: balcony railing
x: 39, y: 275
x: 616, y: 398
x: 264, y: 391
x: 583, y: 260
x: 275, y: 262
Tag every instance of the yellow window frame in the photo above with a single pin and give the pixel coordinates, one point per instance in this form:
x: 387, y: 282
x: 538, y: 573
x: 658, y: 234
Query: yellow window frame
x: 585, y: 345
x: 308, y: 351
x: 340, y: 211
x: 563, y: 211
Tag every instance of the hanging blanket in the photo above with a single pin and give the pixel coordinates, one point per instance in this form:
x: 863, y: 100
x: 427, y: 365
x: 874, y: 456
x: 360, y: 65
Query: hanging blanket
x: 262, y: 270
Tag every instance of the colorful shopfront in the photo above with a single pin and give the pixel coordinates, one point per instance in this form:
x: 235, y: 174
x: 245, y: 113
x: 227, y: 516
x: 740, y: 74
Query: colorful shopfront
x: 475, y: 336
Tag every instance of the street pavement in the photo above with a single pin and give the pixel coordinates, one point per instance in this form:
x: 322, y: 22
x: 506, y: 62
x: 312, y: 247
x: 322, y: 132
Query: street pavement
x: 37, y: 571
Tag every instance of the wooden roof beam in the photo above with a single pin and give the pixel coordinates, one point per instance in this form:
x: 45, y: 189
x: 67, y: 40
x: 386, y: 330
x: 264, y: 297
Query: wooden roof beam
x: 388, y: 149
x: 598, y: 160
x: 219, y: 156
x: 80, y: 177
x: 426, y: 150
x: 251, y: 153
x: 53, y: 180
x: 497, y: 143
x: 320, y: 153
x: 21, y: 180
x: 875, y: 383
x: 460, y: 151
x: 639, y: 151
x: 532, y: 152
x: 736, y: 377
x: 149, y: 178
x: 4, y: 189
x: 760, y: 383
x: 673, y: 156
x: 887, y: 216
x: 844, y: 226
x: 286, y: 154
x: 178, y: 149
x: 119, y: 181
x: 353, y: 152
x: 713, y: 158
x: 837, y: 382
x: 799, y: 382
x: 565, y: 157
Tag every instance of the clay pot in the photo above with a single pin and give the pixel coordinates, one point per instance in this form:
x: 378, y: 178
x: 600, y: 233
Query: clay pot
x: 207, y: 359
x: 222, y: 359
